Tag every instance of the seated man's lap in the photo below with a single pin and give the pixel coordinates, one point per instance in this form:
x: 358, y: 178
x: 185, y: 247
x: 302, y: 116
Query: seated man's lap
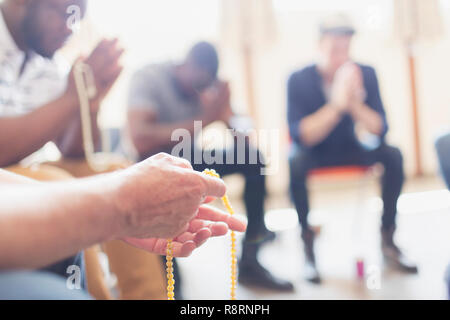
x: 352, y: 157
x: 41, y: 172
x: 37, y: 286
x: 80, y: 168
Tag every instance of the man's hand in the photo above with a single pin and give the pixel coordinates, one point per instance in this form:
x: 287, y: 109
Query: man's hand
x: 104, y: 62
x: 200, y: 230
x: 348, y: 87
x: 162, y: 198
x: 216, y: 102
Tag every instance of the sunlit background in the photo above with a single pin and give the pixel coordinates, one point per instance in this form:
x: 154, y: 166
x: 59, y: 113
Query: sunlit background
x: 155, y: 31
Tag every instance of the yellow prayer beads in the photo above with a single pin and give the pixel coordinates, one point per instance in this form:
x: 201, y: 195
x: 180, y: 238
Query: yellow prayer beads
x: 169, y: 252
x: 230, y: 210
x: 169, y: 265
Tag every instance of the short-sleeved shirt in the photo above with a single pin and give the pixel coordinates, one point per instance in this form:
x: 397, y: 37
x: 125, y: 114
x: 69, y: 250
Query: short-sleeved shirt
x: 41, y: 81
x: 155, y: 87
x: 306, y: 95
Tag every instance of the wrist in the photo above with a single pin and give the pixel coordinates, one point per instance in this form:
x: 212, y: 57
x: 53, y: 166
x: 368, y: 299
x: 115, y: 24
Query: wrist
x: 337, y: 110
x: 105, y: 196
x: 355, y: 109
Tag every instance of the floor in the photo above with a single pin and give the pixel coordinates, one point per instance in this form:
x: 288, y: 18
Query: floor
x: 349, y: 220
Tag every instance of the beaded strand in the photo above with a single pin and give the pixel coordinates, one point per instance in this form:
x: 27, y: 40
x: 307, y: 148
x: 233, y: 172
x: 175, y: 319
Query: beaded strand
x: 230, y: 210
x: 169, y: 252
x: 169, y: 265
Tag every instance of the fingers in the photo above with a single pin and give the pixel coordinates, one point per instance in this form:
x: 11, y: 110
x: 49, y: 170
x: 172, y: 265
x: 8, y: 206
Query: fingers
x: 209, y: 200
x: 214, y: 187
x: 178, y: 162
x: 159, y: 246
x: 213, y: 214
x: 217, y: 228
x: 184, y: 244
x: 198, y: 237
x: 104, y: 58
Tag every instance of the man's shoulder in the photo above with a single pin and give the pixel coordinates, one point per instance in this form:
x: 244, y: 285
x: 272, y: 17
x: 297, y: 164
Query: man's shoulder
x: 303, y: 74
x: 153, y: 71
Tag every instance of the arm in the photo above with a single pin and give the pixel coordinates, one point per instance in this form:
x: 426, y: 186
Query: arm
x: 370, y: 114
x: 148, y: 134
x: 306, y: 126
x: 33, y: 130
x: 370, y: 119
x: 157, y: 199
x: 316, y: 127
x: 70, y: 143
x: 50, y: 225
x: 106, y: 68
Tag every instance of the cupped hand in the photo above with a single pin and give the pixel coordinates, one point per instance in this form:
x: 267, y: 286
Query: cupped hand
x: 209, y: 222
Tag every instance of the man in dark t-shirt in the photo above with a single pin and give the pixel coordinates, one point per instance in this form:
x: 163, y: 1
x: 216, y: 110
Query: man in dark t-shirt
x: 325, y: 102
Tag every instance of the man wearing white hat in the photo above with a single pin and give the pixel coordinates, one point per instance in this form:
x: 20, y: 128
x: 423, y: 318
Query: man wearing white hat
x: 325, y: 102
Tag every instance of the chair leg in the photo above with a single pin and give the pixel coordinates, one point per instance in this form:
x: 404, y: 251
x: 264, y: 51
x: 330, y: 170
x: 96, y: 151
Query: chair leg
x: 358, y: 226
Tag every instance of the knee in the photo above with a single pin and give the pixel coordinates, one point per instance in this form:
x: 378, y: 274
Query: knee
x: 443, y: 146
x: 299, y: 164
x: 394, y: 156
x: 256, y: 156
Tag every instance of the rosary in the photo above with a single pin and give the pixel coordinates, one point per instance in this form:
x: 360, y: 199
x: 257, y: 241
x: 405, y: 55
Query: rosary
x: 169, y: 252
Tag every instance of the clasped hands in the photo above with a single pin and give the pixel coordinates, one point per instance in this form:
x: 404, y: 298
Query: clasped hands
x: 347, y: 90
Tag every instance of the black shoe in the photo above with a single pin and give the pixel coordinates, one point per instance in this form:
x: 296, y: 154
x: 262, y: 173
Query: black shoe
x: 269, y: 236
x: 310, y: 269
x: 393, y: 255
x: 254, y: 274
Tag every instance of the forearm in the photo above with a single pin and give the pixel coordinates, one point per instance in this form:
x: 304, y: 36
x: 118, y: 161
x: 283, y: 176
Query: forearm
x: 7, y: 177
x: 369, y: 118
x: 21, y: 136
x: 42, y: 225
x: 70, y: 143
x: 316, y: 127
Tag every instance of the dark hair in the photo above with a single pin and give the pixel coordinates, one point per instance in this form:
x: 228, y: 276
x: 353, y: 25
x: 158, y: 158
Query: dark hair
x: 204, y: 55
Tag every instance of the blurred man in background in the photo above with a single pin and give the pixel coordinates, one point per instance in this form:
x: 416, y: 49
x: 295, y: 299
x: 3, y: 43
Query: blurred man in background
x: 37, y: 97
x: 169, y: 96
x: 325, y: 101
x: 443, y: 150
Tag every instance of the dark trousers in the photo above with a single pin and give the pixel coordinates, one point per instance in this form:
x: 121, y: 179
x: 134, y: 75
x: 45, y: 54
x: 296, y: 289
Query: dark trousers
x: 302, y: 161
x: 255, y: 183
